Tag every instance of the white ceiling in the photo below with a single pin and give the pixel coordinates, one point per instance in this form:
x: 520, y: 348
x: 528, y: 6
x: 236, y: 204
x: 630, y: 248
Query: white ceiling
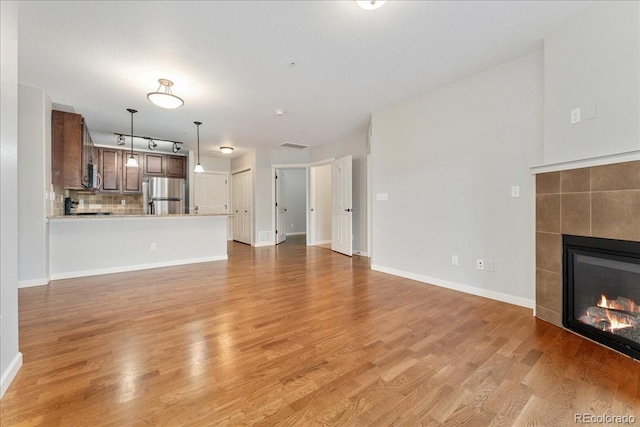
x: 230, y: 60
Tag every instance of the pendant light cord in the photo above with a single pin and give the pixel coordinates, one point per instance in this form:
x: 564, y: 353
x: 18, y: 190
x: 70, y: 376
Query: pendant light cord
x: 132, y: 111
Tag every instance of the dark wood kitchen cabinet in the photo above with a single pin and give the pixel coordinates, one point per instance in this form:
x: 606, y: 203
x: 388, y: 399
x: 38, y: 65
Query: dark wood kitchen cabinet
x: 66, y: 149
x: 154, y: 164
x: 110, y: 166
x: 131, y: 177
x: 116, y: 176
x: 176, y: 166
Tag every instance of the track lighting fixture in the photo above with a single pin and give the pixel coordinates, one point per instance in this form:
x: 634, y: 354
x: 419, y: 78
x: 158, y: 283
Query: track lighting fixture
x: 176, y: 147
x: 120, y: 140
x: 152, y: 144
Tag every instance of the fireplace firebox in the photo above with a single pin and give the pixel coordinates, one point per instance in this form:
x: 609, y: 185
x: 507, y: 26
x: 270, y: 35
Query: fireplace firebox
x: 601, y: 291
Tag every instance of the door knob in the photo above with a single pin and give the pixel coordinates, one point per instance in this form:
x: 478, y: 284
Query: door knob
x: 348, y: 210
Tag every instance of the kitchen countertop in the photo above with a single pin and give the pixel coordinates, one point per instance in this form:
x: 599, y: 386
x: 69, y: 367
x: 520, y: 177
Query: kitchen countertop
x: 83, y: 217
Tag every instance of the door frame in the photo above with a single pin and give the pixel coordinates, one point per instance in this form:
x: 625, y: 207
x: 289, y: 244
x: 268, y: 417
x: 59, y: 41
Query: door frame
x: 312, y: 238
x: 274, y: 218
x: 231, y: 201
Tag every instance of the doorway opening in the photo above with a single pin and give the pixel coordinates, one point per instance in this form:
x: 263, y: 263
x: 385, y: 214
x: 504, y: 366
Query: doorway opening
x: 290, y: 191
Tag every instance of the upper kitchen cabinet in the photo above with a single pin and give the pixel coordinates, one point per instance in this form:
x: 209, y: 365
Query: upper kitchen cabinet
x: 154, y: 164
x: 72, y: 151
x: 110, y: 169
x: 132, y: 176
x: 176, y: 166
x: 66, y: 149
x: 116, y: 177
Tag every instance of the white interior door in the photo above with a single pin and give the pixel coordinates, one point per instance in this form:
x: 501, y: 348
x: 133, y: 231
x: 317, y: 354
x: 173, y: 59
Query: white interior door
x: 281, y: 211
x: 242, y: 191
x: 341, y: 206
x: 210, y: 193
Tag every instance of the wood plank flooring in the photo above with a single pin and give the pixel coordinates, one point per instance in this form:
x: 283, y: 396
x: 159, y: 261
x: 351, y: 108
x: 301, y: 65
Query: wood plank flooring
x: 297, y: 336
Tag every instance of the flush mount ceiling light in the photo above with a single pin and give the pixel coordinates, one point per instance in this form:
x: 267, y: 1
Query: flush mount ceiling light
x: 198, y: 168
x: 152, y: 144
x: 165, y: 98
x: 176, y: 147
x: 132, y: 162
x: 370, y: 4
x: 226, y: 150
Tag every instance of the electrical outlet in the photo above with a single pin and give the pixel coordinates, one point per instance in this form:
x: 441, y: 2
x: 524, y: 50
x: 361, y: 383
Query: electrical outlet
x: 81, y: 202
x: 575, y: 116
x: 454, y: 259
x: 123, y: 202
x: 480, y: 264
x: 153, y: 246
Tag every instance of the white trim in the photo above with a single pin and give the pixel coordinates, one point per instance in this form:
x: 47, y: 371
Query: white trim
x: 10, y: 373
x: 290, y: 166
x: 33, y: 282
x: 322, y: 242
x: 510, y: 299
x: 609, y: 159
x: 297, y: 233
x: 262, y: 244
x: 240, y: 170
x: 361, y: 253
x: 323, y: 162
x: 97, y: 272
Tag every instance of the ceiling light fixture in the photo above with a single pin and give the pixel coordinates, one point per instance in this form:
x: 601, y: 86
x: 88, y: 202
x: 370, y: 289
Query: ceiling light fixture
x: 165, y: 99
x: 132, y: 162
x: 226, y: 150
x: 198, y: 168
x: 152, y: 144
x: 370, y: 4
x: 120, y: 140
x: 176, y: 147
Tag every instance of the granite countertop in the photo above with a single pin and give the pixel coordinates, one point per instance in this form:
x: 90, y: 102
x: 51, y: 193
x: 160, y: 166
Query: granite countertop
x: 107, y: 216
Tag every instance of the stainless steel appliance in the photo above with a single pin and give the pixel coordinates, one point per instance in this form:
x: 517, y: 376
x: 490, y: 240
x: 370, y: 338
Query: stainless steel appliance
x: 163, y: 196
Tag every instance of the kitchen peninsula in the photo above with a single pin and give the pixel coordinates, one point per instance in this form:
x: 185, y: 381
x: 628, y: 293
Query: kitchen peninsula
x: 90, y: 245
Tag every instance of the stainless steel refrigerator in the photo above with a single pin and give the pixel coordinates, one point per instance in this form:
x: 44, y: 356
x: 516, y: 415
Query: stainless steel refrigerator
x: 163, y: 196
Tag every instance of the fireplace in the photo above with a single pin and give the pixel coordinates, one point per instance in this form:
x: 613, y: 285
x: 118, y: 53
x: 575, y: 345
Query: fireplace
x: 601, y: 291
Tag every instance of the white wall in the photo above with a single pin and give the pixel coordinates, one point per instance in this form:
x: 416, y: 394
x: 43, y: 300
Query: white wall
x: 593, y: 63
x: 34, y: 179
x: 295, y: 193
x: 447, y: 161
x: 10, y: 357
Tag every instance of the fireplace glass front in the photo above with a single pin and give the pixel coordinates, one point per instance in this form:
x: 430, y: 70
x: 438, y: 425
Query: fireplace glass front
x: 601, y: 291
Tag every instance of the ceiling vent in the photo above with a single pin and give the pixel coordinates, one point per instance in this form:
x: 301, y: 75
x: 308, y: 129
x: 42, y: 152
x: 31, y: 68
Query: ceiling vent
x: 293, y: 145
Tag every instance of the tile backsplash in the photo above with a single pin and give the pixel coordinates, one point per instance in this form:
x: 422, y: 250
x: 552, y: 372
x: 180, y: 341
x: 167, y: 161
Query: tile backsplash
x: 118, y: 204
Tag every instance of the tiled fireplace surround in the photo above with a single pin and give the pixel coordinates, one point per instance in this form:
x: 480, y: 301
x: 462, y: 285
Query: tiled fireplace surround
x: 600, y: 201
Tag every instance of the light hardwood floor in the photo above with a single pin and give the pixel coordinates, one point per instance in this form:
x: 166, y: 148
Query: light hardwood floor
x: 291, y: 335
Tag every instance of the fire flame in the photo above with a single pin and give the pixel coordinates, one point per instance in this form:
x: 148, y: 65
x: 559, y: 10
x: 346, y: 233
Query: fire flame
x: 619, y: 304
x: 615, y: 321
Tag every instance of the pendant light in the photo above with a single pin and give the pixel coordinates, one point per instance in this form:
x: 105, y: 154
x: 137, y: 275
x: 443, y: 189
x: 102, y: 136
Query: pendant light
x: 198, y: 168
x: 165, y: 99
x: 370, y: 4
x: 132, y: 162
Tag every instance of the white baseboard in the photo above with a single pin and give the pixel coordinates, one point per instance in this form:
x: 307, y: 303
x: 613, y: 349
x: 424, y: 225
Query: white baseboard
x: 320, y: 242
x: 10, y: 373
x: 262, y: 244
x: 361, y: 253
x: 34, y: 282
x: 85, y: 273
x: 498, y: 296
x: 297, y: 233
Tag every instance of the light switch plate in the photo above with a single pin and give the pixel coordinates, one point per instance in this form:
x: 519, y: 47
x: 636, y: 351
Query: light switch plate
x: 382, y: 196
x: 515, y: 191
